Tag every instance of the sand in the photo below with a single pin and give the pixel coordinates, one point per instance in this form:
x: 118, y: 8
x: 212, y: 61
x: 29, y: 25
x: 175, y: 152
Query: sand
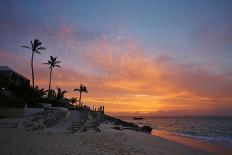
x: 209, y: 147
x: 109, y: 141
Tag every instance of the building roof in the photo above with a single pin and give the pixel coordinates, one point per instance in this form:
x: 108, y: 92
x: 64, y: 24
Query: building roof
x: 6, y: 68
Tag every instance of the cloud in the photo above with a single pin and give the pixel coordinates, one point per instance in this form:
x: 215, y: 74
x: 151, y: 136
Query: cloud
x: 214, y: 37
x: 113, y: 69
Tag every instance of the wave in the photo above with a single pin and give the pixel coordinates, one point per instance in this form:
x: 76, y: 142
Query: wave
x: 212, y: 129
x: 226, y: 141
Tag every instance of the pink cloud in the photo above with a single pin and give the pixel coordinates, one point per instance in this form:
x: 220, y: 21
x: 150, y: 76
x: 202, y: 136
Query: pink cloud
x: 115, y: 69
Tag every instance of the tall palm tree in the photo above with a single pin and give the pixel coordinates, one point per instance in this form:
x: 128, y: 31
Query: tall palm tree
x: 81, y: 89
x: 35, y: 48
x: 52, y: 64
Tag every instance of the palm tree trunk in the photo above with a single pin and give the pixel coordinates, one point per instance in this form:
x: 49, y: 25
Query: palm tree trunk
x: 80, y: 100
x: 49, y: 87
x: 32, y: 70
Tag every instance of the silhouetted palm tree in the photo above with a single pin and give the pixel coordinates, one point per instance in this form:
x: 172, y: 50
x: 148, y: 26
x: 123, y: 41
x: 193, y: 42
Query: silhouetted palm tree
x: 52, y: 93
x: 35, y: 48
x: 81, y: 89
x: 60, y: 93
x: 39, y: 92
x: 52, y: 64
x: 73, y: 100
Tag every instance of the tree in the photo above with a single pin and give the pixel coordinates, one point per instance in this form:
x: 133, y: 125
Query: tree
x: 35, y: 48
x: 52, y: 64
x: 73, y: 100
x: 60, y: 93
x: 81, y: 89
x: 52, y: 93
x: 39, y: 92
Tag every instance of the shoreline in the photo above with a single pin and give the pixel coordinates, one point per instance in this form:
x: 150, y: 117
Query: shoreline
x: 107, y: 142
x: 48, y: 133
x: 195, y: 143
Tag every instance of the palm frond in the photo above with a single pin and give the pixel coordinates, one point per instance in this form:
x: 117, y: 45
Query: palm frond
x: 32, y: 46
x: 41, y: 48
x: 38, y: 43
x: 58, y: 66
x: 37, y: 52
x: 25, y: 47
x: 64, y: 91
x: 57, y: 62
x: 84, y: 89
x: 54, y: 59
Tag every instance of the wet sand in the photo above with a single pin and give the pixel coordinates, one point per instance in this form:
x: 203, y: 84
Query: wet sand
x: 209, y: 147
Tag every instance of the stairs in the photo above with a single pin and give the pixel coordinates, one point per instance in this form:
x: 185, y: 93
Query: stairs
x: 76, y: 126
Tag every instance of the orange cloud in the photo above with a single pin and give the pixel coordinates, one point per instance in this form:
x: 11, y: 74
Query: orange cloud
x: 122, y: 77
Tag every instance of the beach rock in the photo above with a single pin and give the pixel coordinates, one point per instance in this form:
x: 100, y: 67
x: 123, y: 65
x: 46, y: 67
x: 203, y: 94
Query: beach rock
x: 116, y: 128
x: 97, y: 129
x: 127, y: 125
x: 147, y: 129
x: 84, y: 129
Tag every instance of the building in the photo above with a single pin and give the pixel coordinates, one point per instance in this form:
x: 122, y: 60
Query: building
x: 13, y: 76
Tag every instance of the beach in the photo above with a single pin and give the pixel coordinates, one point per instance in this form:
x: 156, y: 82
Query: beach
x: 116, y: 77
x: 16, y: 141
x: 209, y: 147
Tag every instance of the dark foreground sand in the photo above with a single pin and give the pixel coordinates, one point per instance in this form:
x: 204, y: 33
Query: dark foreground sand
x: 14, y: 141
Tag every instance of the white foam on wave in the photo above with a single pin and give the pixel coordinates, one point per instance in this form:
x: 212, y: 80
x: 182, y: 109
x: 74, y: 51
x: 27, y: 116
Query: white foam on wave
x: 226, y: 141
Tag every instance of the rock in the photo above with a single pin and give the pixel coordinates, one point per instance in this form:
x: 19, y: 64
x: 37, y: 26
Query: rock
x: 97, y: 129
x: 116, y: 128
x: 127, y: 125
x: 147, y: 129
x: 84, y: 129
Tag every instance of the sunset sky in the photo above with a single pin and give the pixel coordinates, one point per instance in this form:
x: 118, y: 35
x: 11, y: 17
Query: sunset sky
x: 136, y: 57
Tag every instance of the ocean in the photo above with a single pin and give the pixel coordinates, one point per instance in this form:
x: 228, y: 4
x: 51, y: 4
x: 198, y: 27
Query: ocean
x: 212, y: 129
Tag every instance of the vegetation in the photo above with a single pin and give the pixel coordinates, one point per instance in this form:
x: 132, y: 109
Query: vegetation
x: 81, y: 89
x: 52, y: 64
x: 16, y: 95
x: 60, y: 93
x: 35, y: 48
x: 73, y: 100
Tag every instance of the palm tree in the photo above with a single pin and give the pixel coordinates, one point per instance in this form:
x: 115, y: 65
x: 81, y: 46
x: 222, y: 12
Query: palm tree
x: 81, y: 89
x: 73, y: 100
x: 39, y: 92
x: 35, y: 48
x: 60, y: 93
x: 52, y: 93
x: 52, y: 64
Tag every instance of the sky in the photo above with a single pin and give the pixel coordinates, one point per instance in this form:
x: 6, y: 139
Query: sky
x: 150, y: 57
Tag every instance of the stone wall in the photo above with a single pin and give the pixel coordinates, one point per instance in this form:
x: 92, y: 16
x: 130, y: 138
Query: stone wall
x: 11, y: 112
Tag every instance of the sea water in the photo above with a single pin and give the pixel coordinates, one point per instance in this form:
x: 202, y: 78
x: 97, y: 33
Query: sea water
x: 213, y: 129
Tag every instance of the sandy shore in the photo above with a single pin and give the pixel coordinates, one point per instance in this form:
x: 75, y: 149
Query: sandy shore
x: 109, y: 141
x: 209, y: 147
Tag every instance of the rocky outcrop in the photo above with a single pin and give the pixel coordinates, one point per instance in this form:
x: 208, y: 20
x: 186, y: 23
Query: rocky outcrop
x: 126, y: 125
